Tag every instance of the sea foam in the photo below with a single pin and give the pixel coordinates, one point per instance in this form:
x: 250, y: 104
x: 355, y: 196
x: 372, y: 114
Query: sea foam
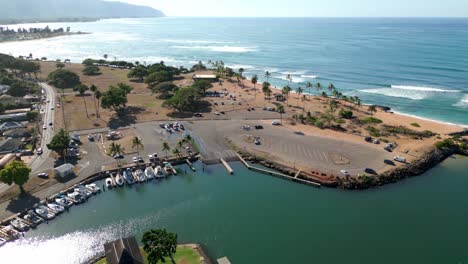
x: 230, y: 49
x: 410, y: 92
x: 463, y: 103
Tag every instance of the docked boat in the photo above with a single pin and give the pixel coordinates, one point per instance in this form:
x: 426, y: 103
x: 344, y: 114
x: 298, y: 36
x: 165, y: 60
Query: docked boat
x: 93, y: 188
x: 149, y: 173
x: 45, y: 213
x: 2, y: 241
x: 58, y: 209
x: 10, y: 232
x: 140, y: 175
x: 83, y: 190
x: 127, y: 175
x: 19, y: 225
x: 63, y: 201
x: 76, y: 197
x: 119, y: 180
x: 108, y: 183
x: 32, y: 218
x: 168, y: 168
x: 159, y: 172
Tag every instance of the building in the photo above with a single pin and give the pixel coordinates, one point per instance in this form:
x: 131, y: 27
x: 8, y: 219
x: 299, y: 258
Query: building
x: 17, y: 133
x: 4, y: 89
x: 7, y: 159
x: 124, y: 250
x: 10, y: 125
x: 64, y: 170
x: 208, y: 77
x: 14, y: 117
x: 10, y: 145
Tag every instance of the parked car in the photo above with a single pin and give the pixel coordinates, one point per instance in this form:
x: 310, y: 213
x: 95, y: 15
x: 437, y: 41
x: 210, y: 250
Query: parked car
x: 39, y: 151
x: 399, y: 159
x: 43, y: 175
x: 118, y: 156
x: 90, y: 137
x: 370, y: 171
x: 44, y: 126
x: 51, y: 124
x: 197, y: 115
x: 52, y: 108
x: 376, y: 141
x: 299, y: 133
x: 276, y: 123
x: 258, y: 127
x: 257, y: 141
x: 368, y: 139
x: 344, y: 172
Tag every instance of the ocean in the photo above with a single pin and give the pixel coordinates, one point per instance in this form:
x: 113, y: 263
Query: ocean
x: 417, y: 66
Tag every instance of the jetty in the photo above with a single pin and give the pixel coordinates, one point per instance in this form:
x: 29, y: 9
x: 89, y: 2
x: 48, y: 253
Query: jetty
x: 277, y: 174
x: 226, y: 165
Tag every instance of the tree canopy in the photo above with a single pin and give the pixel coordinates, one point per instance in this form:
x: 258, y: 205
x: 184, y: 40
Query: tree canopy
x: 159, y: 244
x: 116, y: 98
x: 63, y: 78
x: 184, y: 99
x: 60, y: 142
x: 139, y: 72
x: 15, y: 172
x: 91, y: 70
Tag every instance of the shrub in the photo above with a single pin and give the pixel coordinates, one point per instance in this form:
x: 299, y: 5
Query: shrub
x: 63, y: 78
x: 347, y: 114
x: 406, y: 131
x: 319, y: 123
x: 446, y: 143
x: 373, y: 131
x: 91, y: 70
x: 415, y: 124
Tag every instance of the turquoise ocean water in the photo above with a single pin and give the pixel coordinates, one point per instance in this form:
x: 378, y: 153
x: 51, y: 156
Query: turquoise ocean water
x: 416, y: 66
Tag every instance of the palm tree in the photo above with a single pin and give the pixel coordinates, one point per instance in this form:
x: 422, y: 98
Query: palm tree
x: 98, y: 95
x: 268, y: 94
x: 241, y: 71
x: 304, y: 99
x: 115, y: 149
x: 166, y: 147
x: 372, y: 109
x: 280, y: 110
x: 299, y: 91
x: 105, y: 56
x: 285, y: 91
x: 335, y: 93
x: 267, y: 75
x: 254, y: 81
x: 137, y: 143
x: 93, y: 88
x: 265, y: 88
x: 176, y: 152
x: 188, y: 138
x: 331, y: 87
x: 309, y: 85
x: 318, y: 86
x: 289, y: 78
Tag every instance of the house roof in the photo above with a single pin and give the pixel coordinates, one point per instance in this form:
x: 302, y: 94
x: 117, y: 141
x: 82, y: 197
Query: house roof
x: 10, y: 144
x: 17, y: 132
x: 124, y: 250
x: 205, y: 76
x: 10, y: 125
x: 64, y: 168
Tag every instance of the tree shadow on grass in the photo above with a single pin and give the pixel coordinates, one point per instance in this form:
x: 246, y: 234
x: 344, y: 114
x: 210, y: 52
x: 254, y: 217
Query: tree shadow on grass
x: 22, y: 202
x: 200, y: 106
x: 129, y: 118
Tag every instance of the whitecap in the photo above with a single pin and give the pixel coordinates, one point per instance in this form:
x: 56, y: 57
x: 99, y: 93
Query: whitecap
x: 230, y: 49
x: 238, y: 66
x: 309, y: 76
x: 295, y: 79
x: 423, y: 89
x: 463, y: 103
x: 294, y: 72
x: 413, y: 95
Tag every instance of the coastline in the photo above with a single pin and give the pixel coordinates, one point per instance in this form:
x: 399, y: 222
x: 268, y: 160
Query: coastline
x: 46, y: 37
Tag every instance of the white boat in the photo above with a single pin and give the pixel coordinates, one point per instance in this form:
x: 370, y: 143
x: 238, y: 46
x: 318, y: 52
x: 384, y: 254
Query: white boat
x: 127, y: 175
x: 32, y: 218
x: 45, y: 213
x: 2, y: 241
x: 19, y: 225
x: 93, y: 188
x: 119, y: 180
x: 10, y: 232
x: 63, y: 201
x: 149, y: 172
x: 56, y: 208
x: 140, y: 175
x: 108, y: 183
x: 83, y: 190
x: 159, y: 172
x: 76, y: 196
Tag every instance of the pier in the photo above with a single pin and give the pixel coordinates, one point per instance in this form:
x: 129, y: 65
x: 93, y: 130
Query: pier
x: 226, y: 165
x: 190, y: 164
x: 278, y: 174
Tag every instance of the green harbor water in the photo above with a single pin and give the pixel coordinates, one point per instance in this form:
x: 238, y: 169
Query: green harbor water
x: 255, y: 218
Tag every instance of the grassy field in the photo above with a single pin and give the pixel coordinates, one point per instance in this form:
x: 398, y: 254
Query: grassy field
x: 184, y: 255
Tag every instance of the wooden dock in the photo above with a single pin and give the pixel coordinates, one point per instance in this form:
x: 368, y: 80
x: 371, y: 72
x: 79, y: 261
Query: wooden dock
x: 228, y: 168
x: 223, y: 260
x: 277, y: 174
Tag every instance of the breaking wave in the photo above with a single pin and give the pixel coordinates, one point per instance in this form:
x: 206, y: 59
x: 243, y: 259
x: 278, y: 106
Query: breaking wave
x: 230, y: 49
x: 410, y: 92
x: 463, y: 103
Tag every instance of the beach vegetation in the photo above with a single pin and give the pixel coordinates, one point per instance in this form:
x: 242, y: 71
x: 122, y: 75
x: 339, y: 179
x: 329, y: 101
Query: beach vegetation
x: 202, y: 85
x: 415, y: 124
x: 445, y: 144
x: 198, y: 67
x: 184, y: 100
x: 159, y: 77
x: 63, y: 78
x: 165, y: 89
x: 373, y: 131
x: 402, y: 130
x: 347, y: 114
x: 137, y: 143
x: 15, y: 172
x: 372, y: 109
x: 368, y: 120
x: 139, y: 73
x: 91, y: 70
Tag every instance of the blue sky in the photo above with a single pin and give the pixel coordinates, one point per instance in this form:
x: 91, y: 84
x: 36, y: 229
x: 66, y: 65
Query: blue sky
x: 310, y: 8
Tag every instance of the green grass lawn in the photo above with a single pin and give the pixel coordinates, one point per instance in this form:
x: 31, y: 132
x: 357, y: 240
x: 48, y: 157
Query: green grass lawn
x: 185, y: 255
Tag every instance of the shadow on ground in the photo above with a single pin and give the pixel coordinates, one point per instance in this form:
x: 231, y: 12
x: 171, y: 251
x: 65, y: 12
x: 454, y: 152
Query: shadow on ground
x: 126, y: 120
x: 22, y: 202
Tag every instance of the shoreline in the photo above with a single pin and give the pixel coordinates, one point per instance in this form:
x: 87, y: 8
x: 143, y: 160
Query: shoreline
x: 48, y: 37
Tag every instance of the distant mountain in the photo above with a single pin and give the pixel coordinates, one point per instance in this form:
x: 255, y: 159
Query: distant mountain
x: 70, y: 10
